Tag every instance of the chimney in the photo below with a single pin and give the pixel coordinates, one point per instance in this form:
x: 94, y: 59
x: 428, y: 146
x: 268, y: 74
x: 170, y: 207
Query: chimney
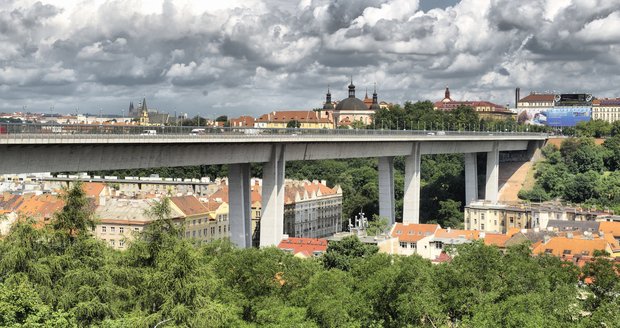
x: 517, y: 97
x: 449, y: 229
x: 482, y: 234
x: 546, y: 239
x: 569, y: 235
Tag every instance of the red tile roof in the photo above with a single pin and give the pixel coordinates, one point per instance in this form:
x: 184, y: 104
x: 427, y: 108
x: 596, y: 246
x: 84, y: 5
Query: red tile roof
x: 496, y: 239
x: 189, y: 205
x: 559, y: 246
x: 93, y: 189
x: 306, y: 246
x: 413, y: 232
x: 538, y: 97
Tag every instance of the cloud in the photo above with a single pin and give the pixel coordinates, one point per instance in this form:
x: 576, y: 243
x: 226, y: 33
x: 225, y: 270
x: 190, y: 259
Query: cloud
x: 251, y: 57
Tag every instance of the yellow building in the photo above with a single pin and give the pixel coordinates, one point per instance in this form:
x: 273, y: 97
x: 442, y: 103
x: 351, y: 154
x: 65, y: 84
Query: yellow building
x: 307, y: 119
x: 119, y: 220
x: 606, y: 109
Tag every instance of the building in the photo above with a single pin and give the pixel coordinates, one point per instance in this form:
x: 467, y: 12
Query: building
x: 304, y: 247
x: 606, y: 109
x: 351, y: 109
x: 307, y: 119
x: 414, y: 238
x: 531, y: 106
x: 499, y: 218
x: 485, y: 109
x: 119, y: 220
x: 311, y: 209
x: 571, y: 246
x: 242, y: 122
x: 196, y: 218
x: 495, y: 218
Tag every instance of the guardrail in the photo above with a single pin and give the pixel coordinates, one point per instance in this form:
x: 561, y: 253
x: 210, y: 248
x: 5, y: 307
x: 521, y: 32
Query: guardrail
x: 84, y: 130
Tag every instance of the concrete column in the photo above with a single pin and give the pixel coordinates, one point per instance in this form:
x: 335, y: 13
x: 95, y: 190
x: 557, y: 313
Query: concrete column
x: 386, y: 189
x: 411, y: 204
x: 492, y: 181
x: 240, y: 214
x: 272, y: 218
x: 471, y: 177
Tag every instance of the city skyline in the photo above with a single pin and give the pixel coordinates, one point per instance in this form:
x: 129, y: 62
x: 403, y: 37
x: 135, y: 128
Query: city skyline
x: 253, y: 57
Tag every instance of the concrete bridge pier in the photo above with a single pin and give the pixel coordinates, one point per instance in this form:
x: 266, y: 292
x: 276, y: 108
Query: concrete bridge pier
x: 492, y: 177
x: 239, y: 194
x: 411, y: 204
x: 471, y: 177
x: 386, y: 189
x: 272, y: 219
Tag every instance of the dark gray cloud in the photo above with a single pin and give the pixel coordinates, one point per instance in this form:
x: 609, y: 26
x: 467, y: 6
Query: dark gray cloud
x: 255, y: 56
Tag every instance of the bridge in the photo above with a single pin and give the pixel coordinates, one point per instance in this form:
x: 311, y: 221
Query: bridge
x: 26, y: 148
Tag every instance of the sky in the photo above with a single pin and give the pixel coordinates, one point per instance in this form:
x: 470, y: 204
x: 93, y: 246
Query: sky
x: 248, y: 57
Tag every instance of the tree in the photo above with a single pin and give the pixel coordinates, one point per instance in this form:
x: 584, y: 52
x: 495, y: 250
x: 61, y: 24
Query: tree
x: 377, y: 226
x: 612, y: 145
x: 295, y: 124
x: 582, y: 187
x: 340, y: 254
x: 582, y: 155
x: 450, y: 214
x: 75, y: 219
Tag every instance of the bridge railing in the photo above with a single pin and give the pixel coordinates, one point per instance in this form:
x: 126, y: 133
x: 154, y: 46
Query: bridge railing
x: 17, y: 130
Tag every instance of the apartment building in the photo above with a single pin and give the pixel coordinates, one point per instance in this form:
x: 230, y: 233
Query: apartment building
x: 118, y: 220
x: 311, y: 209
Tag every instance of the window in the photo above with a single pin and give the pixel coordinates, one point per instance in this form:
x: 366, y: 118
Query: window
x: 213, y: 230
x: 566, y: 252
x: 186, y: 234
x: 194, y: 222
x: 112, y: 229
x: 438, y: 245
x: 136, y: 229
x: 548, y: 251
x: 104, y: 229
x: 403, y: 244
x: 111, y: 242
x: 194, y: 234
x: 482, y: 226
x: 121, y: 230
x: 204, y: 231
x: 219, y: 229
x: 413, y: 245
x: 481, y: 216
x: 121, y: 243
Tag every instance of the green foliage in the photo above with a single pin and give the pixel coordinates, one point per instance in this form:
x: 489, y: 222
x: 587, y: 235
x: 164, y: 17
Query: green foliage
x: 593, y: 128
x: 379, y: 225
x: 450, y: 214
x: 293, y: 124
x: 581, y: 187
x: 536, y: 194
x: 162, y: 278
x: 582, y: 155
x: 75, y: 220
x: 341, y: 254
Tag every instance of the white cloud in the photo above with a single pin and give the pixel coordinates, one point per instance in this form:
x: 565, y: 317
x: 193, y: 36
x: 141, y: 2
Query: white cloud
x: 259, y: 55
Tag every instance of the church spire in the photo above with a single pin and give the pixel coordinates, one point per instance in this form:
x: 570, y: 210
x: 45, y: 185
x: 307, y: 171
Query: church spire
x: 351, y: 89
x: 447, y: 94
x: 375, y: 99
x: 328, y: 100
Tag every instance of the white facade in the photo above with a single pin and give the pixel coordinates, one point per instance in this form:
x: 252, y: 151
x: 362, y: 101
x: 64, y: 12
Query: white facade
x: 609, y: 113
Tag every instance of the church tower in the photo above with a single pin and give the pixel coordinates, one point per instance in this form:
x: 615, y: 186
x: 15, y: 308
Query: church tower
x: 144, y: 113
x: 328, y: 101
